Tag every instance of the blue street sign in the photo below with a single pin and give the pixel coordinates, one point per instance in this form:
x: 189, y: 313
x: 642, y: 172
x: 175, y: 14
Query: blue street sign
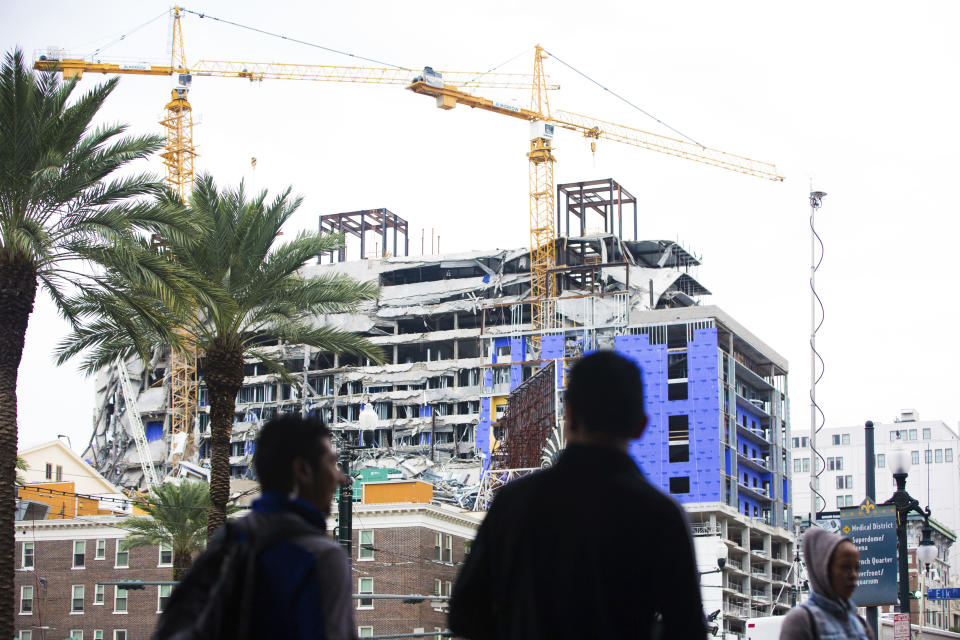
x: 873, y: 529
x: 951, y: 593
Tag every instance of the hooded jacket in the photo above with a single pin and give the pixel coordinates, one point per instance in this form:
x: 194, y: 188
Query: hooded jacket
x: 824, y: 616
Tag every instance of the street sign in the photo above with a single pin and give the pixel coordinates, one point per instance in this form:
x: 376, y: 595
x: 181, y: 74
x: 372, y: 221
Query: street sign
x: 873, y: 529
x: 901, y: 626
x: 950, y: 593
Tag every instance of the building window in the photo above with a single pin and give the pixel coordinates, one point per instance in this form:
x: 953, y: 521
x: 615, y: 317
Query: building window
x: 123, y: 554
x: 365, y: 586
x: 101, y: 551
x: 844, y: 482
x: 163, y: 595
x: 59, y: 473
x: 806, y: 465
x: 938, y: 455
x: 797, y: 465
x: 845, y: 439
x: 881, y: 460
x: 26, y: 599
x: 839, y: 501
x: 76, y: 634
x: 948, y: 455
x: 928, y: 456
x: 48, y: 471
x: 365, y: 548
x: 166, y: 556
x: 448, y: 552
x: 927, y: 433
x: 365, y: 632
x: 98, y: 634
x: 79, y: 553
x: 98, y: 591
x: 680, y: 485
x: 447, y: 588
x: 915, y: 457
x: 26, y: 635
x: 76, y: 603
x: 913, y: 434
x: 438, y: 547
x: 120, y: 600
x: 467, y: 543
x: 27, y: 556
x: 835, y: 464
x: 119, y: 634
x: 438, y: 587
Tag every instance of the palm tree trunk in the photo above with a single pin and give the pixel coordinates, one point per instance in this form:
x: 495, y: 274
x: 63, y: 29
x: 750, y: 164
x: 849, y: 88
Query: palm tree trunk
x: 181, y: 564
x: 223, y: 373
x: 18, y: 289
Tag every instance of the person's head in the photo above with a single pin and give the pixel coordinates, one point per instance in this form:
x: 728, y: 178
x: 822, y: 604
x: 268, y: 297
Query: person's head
x: 604, y: 401
x: 845, y: 569
x: 294, y: 455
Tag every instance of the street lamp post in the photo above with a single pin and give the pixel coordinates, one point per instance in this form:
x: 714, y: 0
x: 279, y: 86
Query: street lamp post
x: 904, y: 503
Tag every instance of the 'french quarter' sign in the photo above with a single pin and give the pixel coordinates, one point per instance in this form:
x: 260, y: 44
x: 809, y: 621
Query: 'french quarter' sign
x: 873, y: 529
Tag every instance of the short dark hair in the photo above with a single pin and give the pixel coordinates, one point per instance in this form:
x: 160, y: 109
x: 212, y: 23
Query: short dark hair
x: 281, y: 441
x: 605, y: 394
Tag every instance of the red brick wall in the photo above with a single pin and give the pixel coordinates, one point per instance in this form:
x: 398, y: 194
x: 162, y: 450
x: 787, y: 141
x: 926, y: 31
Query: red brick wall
x: 404, y: 564
x: 52, y: 603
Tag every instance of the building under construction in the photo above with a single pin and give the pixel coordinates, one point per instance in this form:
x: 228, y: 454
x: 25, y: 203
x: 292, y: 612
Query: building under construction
x: 470, y: 393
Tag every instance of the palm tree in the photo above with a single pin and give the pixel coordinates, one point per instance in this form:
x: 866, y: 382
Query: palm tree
x: 257, y: 298
x: 62, y: 213
x: 178, y: 520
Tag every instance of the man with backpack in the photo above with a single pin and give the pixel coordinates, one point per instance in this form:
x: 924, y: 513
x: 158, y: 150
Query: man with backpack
x: 275, y: 572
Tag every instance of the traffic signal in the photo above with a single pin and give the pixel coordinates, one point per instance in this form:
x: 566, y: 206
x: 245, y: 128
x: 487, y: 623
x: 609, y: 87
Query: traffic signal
x: 916, y: 595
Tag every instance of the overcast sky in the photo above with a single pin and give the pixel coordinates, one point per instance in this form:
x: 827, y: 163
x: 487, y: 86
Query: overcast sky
x: 859, y: 97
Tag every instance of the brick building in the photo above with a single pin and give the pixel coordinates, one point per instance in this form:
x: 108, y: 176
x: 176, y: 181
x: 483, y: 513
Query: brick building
x: 404, y: 549
x: 59, y: 564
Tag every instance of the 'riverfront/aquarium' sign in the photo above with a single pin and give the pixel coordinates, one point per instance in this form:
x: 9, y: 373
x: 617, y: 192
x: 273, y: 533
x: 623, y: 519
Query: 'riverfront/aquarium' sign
x: 873, y: 529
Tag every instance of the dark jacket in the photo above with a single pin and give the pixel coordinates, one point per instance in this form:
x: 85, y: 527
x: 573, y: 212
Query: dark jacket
x: 586, y: 549
x: 824, y: 616
x: 303, y: 583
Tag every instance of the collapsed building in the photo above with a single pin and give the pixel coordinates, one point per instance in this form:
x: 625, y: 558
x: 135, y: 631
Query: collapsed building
x: 469, y: 394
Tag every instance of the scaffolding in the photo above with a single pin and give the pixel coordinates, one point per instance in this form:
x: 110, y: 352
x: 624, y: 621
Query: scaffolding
x: 359, y: 223
x: 604, y: 197
x: 530, y: 419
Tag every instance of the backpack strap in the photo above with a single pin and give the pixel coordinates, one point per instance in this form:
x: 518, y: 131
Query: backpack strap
x: 813, y: 623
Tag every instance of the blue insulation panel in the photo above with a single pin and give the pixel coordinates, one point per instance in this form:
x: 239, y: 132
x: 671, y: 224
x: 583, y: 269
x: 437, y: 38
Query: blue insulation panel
x: 517, y: 354
x: 551, y: 347
x: 154, y: 431
x: 703, y: 468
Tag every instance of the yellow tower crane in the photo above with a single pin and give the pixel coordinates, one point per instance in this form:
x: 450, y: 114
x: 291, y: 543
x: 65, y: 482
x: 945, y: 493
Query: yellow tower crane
x: 180, y: 153
x: 540, y: 155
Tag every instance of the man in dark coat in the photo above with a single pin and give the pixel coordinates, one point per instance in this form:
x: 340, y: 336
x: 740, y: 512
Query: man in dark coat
x: 587, y: 548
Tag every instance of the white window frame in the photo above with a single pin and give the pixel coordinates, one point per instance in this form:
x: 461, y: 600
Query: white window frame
x: 73, y: 598
x: 845, y: 438
x: 99, y: 593
x: 927, y: 433
x: 363, y: 553
x: 361, y: 590
x: 447, y: 588
x: 119, y: 634
x: 365, y: 631
x: 25, y: 634
x: 160, y: 550
x: 915, y: 456
x: 881, y: 460
x: 948, y: 454
x: 23, y: 556
x: 938, y: 456
x: 116, y: 599
x: 76, y: 634
x: 100, y: 550
x: 160, y: 595
x: 117, y: 552
x: 437, y: 587
x: 448, y: 550
x: 438, y: 547
x: 24, y: 590
x: 98, y: 634
x: 73, y: 556
x: 928, y: 456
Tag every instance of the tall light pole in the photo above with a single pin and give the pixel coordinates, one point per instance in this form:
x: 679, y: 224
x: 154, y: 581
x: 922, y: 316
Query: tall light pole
x: 899, y: 460
x: 816, y: 200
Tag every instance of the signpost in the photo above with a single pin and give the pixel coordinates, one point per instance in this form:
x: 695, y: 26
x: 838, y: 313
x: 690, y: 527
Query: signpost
x: 901, y: 626
x: 950, y: 593
x: 873, y: 529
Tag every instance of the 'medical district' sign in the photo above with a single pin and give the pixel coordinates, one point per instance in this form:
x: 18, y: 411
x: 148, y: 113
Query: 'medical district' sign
x: 873, y: 529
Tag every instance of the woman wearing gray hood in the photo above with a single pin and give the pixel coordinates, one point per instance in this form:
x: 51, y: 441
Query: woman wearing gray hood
x: 833, y: 569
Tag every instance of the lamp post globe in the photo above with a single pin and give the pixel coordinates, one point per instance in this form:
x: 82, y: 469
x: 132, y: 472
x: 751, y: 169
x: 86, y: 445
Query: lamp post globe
x: 369, y: 420
x: 926, y: 552
x: 899, y: 461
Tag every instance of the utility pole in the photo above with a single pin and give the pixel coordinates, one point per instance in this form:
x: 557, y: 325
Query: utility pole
x: 816, y: 200
x: 345, y: 505
x: 868, y: 432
